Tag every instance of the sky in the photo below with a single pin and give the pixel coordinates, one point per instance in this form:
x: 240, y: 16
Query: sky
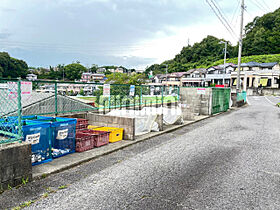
x: 131, y: 33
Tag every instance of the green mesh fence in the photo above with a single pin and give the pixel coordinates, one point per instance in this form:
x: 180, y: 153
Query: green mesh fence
x: 52, y: 97
x: 220, y: 100
x: 11, y: 95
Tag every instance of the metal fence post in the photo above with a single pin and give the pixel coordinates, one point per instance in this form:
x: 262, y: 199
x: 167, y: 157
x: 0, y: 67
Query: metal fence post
x: 141, y: 96
x: 55, y: 95
x: 19, y: 112
x: 162, y: 96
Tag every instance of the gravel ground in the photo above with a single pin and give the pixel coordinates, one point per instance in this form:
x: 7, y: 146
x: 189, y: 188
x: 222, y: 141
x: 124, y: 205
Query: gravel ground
x: 227, y: 162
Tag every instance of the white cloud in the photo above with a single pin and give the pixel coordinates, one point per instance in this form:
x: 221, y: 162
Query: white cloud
x: 102, y: 31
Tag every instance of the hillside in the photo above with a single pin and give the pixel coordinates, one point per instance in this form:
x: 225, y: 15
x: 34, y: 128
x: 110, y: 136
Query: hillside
x: 262, y: 37
x: 246, y: 59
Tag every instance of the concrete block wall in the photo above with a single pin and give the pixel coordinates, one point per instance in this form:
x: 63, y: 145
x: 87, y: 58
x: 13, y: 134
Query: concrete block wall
x: 194, y: 103
x: 127, y: 123
x: 15, y: 164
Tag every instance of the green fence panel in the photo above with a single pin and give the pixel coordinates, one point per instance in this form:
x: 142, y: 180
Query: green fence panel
x: 220, y: 99
x: 10, y: 100
x: 55, y: 97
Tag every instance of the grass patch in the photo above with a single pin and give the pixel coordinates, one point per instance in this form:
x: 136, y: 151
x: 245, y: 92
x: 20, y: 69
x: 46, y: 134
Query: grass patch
x: 62, y: 187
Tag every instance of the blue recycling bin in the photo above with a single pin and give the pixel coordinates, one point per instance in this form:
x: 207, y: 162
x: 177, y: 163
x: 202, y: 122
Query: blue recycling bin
x: 38, y: 133
x: 63, y: 131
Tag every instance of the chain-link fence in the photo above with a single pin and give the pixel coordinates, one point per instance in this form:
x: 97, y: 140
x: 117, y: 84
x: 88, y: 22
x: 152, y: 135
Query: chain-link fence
x: 11, y: 95
x: 53, y: 97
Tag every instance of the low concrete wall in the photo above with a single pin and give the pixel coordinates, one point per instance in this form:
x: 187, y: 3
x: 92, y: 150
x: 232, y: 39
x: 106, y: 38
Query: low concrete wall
x: 270, y: 91
x: 194, y: 103
x: 128, y: 124
x: 261, y: 91
x: 15, y: 164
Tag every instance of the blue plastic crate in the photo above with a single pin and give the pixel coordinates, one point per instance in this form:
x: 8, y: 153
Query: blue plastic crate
x: 37, y: 133
x: 63, y: 134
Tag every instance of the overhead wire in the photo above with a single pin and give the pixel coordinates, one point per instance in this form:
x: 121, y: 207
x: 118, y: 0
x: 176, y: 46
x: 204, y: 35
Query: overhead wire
x: 222, y: 15
x: 266, y: 5
x: 261, y: 7
x: 235, y: 11
x: 221, y: 20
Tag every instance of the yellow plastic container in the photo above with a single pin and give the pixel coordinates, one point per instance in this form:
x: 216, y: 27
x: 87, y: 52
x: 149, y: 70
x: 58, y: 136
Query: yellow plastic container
x: 115, y: 135
x: 92, y: 127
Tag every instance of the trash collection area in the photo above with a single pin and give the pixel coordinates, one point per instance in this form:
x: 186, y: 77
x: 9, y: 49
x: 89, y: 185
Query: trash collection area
x: 116, y: 112
x: 54, y: 137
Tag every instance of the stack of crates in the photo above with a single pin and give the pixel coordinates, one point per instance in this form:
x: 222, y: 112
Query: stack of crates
x: 84, y: 141
x: 100, y: 137
x: 38, y: 134
x: 81, y: 124
x: 116, y: 134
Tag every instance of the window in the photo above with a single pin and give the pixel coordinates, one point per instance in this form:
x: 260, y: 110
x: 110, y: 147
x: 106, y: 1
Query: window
x: 269, y: 83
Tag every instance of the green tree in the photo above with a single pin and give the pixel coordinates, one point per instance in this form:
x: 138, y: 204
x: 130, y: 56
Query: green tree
x: 262, y: 35
x: 11, y: 67
x: 74, y: 71
x: 93, y: 68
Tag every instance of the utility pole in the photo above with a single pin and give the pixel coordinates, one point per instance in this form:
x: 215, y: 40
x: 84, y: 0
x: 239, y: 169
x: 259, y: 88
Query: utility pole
x: 225, y: 63
x: 240, y: 47
x: 225, y: 57
x: 166, y: 67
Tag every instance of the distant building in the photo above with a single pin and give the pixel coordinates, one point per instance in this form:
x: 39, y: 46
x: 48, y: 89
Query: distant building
x: 31, y: 77
x: 90, y: 77
x: 119, y: 70
x: 101, y: 70
x: 216, y: 74
x: 254, y: 75
x: 195, y: 78
x: 139, y: 71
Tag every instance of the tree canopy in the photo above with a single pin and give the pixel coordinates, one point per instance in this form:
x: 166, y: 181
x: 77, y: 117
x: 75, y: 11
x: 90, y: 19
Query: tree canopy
x: 74, y: 71
x: 262, y: 35
x: 11, y: 67
x: 121, y: 78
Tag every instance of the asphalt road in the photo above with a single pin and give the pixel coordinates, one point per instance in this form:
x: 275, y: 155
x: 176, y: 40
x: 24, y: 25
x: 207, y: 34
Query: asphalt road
x: 230, y: 161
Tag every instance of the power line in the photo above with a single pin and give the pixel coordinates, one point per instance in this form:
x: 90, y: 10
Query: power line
x: 235, y: 11
x: 261, y: 7
x: 221, y: 14
x: 266, y: 5
x: 221, y: 20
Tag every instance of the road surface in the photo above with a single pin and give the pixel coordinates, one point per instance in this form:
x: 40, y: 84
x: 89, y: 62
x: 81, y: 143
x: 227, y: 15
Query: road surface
x: 231, y: 161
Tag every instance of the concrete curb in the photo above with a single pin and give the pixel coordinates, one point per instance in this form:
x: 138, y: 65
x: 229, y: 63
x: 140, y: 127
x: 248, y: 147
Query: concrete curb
x: 75, y: 159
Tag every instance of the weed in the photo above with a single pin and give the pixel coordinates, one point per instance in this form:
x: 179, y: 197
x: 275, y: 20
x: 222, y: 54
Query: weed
x: 16, y: 208
x: 24, y: 181
x: 43, y: 176
x: 62, y: 187
x: 45, y: 195
x: 9, y: 187
x: 25, y: 204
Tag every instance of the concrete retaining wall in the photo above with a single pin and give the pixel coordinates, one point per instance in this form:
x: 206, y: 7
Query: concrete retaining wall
x: 261, y: 91
x: 15, y: 164
x: 194, y: 103
x: 128, y: 124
